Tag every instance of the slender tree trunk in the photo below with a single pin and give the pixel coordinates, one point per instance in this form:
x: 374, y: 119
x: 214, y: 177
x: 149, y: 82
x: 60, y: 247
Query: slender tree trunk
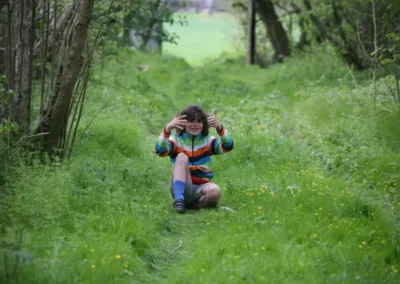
x: 9, y: 49
x: 44, y: 45
x: 304, y: 41
x: 275, y: 31
x: 30, y: 60
x: 8, y: 66
x: 53, y: 58
x: 21, y: 104
x: 3, y: 39
x: 251, y: 33
x: 56, y: 114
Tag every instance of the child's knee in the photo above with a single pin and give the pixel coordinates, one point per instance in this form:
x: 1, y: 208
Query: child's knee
x: 213, y: 192
x: 182, y: 158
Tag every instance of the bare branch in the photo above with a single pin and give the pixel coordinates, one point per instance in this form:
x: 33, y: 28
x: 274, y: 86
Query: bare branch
x: 375, y: 50
x: 28, y: 137
x: 91, y: 121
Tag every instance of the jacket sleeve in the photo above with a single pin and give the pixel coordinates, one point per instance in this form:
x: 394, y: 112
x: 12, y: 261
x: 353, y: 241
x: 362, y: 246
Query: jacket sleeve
x: 165, y: 145
x: 221, y: 144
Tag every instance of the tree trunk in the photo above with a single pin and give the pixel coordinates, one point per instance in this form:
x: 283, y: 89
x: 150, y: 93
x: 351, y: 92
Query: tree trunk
x: 21, y: 104
x: 275, y: 31
x: 5, y: 66
x: 56, y: 114
x: 3, y: 39
x: 251, y: 33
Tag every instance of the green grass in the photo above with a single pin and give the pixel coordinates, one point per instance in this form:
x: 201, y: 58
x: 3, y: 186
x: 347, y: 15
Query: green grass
x: 204, y: 37
x: 313, y: 181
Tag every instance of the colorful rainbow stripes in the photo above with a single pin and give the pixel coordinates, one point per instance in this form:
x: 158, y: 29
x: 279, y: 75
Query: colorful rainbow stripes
x: 198, y: 148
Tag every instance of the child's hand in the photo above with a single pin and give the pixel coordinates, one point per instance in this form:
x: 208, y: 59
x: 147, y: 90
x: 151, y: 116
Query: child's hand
x: 213, y: 121
x: 178, y: 122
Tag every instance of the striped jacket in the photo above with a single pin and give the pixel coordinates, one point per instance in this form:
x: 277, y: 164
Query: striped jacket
x: 198, y: 148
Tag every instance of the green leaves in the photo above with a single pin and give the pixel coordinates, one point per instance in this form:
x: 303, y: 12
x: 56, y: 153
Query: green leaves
x: 8, y: 127
x: 141, y: 16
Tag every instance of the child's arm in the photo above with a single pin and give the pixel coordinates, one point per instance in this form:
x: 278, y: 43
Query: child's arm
x: 222, y: 144
x: 165, y: 145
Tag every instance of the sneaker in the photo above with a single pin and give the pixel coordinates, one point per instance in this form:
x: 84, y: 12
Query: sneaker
x: 179, y: 206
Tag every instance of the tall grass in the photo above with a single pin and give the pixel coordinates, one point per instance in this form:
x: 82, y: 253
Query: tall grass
x: 313, y: 181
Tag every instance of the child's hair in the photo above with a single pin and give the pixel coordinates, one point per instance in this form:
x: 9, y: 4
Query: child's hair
x: 196, y: 113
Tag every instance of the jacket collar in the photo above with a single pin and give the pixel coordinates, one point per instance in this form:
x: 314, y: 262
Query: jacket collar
x: 187, y: 135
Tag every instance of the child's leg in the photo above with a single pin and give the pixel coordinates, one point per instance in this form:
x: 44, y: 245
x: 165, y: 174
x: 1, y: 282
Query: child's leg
x: 181, y: 175
x: 211, y: 195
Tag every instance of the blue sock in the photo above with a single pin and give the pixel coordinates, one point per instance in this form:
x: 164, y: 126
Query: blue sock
x: 179, y: 189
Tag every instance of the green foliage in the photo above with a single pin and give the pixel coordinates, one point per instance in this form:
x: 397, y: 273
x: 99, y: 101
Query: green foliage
x: 119, y: 18
x: 313, y: 181
x: 361, y: 30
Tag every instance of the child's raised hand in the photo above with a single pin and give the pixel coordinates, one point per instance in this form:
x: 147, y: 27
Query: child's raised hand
x: 213, y: 121
x: 178, y: 122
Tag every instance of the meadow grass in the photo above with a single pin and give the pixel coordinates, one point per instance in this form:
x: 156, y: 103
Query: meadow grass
x: 313, y: 181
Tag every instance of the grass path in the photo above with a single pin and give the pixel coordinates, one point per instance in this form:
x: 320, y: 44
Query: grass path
x: 313, y: 186
x: 295, y: 221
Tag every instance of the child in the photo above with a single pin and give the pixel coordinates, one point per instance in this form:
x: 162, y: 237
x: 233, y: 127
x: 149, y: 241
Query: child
x: 190, y: 150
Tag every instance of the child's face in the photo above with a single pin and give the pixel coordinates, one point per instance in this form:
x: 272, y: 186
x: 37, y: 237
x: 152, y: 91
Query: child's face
x: 194, y: 127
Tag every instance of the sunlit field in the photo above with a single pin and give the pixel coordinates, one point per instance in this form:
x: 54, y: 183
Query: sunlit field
x: 205, y: 36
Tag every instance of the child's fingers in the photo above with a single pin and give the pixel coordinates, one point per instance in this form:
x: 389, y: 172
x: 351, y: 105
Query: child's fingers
x: 212, y: 120
x: 177, y: 126
x: 181, y: 118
